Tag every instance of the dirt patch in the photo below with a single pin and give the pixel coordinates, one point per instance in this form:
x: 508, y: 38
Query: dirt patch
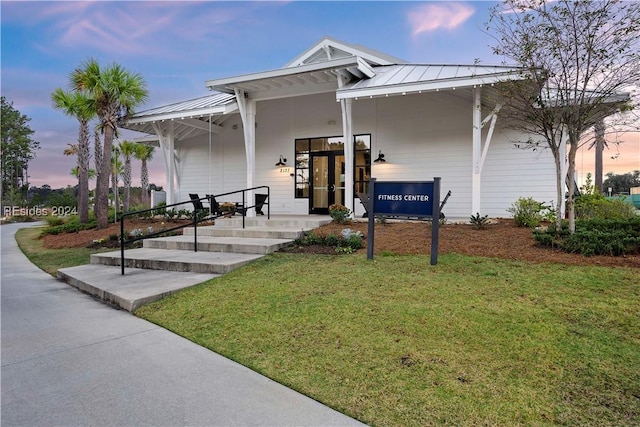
x: 502, y: 239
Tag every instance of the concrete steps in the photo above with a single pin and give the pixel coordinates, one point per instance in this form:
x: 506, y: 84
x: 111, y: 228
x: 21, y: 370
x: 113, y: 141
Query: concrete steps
x: 167, y: 264
x: 207, y: 243
x: 176, y: 260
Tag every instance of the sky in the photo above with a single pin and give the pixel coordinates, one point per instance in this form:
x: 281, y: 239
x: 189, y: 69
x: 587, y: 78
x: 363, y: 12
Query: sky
x: 177, y: 45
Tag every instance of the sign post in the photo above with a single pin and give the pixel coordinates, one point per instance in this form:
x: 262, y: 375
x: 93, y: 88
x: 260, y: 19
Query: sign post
x: 405, y: 199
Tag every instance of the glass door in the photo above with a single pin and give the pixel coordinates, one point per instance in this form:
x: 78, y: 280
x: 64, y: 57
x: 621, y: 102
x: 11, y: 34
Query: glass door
x: 327, y: 181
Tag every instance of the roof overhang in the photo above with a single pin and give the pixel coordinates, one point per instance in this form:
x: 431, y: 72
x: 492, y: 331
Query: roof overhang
x: 379, y: 87
x: 188, y: 118
x: 295, y: 81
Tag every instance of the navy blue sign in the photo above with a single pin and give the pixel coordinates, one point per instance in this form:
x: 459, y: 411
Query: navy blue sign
x: 417, y: 199
x: 403, y: 198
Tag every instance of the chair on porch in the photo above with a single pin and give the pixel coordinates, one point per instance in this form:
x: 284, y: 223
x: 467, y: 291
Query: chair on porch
x: 261, y: 199
x: 213, y: 208
x: 364, y: 199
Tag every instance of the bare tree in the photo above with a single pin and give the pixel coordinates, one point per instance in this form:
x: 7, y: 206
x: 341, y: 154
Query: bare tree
x: 583, y: 63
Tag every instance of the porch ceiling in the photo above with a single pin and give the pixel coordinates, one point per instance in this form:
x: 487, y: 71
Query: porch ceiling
x: 188, y: 118
x: 295, y: 81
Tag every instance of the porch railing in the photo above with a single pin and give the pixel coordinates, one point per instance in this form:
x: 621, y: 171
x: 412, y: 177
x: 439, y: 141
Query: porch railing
x: 197, y: 217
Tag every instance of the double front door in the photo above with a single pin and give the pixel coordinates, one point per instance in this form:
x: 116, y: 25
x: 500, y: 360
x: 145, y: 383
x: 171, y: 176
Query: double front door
x: 327, y: 181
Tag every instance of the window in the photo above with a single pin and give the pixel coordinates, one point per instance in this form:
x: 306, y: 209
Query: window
x: 362, y: 162
x: 362, y: 170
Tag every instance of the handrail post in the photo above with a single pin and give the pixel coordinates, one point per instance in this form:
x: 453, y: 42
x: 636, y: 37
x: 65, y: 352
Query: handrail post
x: 269, y: 202
x: 122, y: 245
x: 244, y: 210
x: 195, y: 230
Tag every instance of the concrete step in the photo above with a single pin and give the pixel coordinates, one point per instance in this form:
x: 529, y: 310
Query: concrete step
x: 176, y: 260
x: 247, y: 232
x: 295, y: 222
x: 137, y: 287
x: 246, y: 245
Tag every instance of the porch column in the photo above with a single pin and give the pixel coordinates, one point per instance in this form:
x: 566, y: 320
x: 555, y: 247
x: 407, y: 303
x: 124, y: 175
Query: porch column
x: 347, y: 131
x: 247, y: 109
x: 167, y: 144
x: 476, y: 150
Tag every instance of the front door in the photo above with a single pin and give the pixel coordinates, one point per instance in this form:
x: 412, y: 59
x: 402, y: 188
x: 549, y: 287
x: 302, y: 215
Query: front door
x: 327, y: 181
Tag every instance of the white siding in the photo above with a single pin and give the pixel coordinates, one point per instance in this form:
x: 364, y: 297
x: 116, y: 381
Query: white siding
x: 422, y: 136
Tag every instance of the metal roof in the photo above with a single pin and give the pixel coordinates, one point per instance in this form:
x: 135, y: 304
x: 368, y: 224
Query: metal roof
x: 188, y: 118
x: 405, y: 78
x: 298, y: 80
x: 215, y: 101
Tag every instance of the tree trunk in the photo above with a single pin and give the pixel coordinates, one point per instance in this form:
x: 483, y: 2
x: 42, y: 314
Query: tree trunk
x: 97, y: 151
x: 573, y: 149
x: 599, y: 128
x: 102, y: 182
x: 83, y: 172
x: 127, y: 183
x: 144, y: 181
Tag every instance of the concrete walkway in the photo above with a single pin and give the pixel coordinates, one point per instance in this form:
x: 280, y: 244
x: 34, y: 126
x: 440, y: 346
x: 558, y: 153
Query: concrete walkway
x: 70, y: 360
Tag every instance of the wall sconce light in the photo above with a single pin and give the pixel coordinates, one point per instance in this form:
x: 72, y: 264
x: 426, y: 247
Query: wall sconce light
x: 380, y: 158
x: 282, y: 162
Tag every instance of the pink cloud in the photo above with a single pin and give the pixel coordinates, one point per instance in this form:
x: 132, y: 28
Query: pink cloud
x: 430, y: 17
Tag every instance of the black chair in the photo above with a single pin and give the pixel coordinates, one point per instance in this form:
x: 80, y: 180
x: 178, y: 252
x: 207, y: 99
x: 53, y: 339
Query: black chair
x: 260, y: 201
x: 197, y: 203
x: 213, y: 208
x: 364, y: 199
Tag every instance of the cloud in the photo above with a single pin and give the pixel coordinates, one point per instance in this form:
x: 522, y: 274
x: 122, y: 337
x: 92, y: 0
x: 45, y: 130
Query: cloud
x: 431, y: 17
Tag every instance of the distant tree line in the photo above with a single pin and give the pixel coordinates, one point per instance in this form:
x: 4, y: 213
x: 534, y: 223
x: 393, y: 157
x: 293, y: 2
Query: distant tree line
x: 18, y: 149
x: 621, y: 184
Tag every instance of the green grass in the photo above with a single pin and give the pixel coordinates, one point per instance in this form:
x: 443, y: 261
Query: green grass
x: 471, y: 341
x: 50, y: 260
x: 395, y: 341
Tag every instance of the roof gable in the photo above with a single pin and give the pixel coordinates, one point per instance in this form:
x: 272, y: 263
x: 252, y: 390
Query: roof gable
x: 329, y: 48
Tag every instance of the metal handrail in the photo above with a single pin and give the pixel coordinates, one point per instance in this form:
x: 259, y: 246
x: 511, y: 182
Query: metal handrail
x: 195, y: 221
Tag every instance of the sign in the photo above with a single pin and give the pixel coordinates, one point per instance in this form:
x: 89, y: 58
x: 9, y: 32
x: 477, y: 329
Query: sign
x: 414, y: 199
x: 409, y: 199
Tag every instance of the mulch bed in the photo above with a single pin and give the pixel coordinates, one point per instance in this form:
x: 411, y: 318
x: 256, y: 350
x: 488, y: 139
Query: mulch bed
x: 501, y: 239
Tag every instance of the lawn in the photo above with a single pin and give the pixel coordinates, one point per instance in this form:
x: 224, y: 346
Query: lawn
x: 50, y: 260
x: 397, y: 342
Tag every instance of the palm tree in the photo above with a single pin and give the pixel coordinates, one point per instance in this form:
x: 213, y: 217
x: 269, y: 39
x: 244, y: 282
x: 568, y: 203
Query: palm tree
x: 144, y: 153
x: 77, y: 105
x: 115, y: 92
x: 127, y: 148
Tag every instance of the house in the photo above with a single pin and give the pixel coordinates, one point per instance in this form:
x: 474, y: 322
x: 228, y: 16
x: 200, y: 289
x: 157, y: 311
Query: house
x: 313, y: 130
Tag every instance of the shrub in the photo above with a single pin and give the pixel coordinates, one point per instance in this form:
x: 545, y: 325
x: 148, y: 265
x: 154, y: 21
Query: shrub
x: 354, y: 241
x: 332, y: 240
x: 160, y: 209
x: 54, y: 221
x: 478, y: 221
x: 73, y: 225
x: 528, y: 212
x: 170, y: 215
x: 339, y: 213
x: 309, y: 238
x: 595, y: 237
x: 596, y: 206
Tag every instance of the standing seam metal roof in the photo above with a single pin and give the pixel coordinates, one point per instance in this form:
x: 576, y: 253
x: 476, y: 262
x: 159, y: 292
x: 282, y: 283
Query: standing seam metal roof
x: 209, y: 101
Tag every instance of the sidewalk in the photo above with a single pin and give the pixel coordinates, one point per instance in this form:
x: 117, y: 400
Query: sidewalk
x: 68, y: 359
